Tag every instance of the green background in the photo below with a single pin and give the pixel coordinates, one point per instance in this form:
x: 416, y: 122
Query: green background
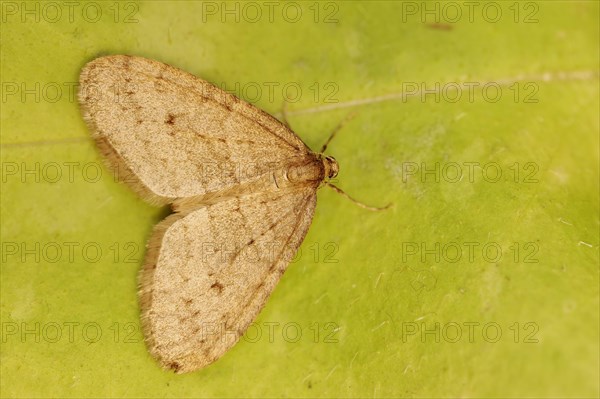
x: 545, y: 122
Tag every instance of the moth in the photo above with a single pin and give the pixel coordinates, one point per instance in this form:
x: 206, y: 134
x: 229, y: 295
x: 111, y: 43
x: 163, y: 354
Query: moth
x: 242, y: 187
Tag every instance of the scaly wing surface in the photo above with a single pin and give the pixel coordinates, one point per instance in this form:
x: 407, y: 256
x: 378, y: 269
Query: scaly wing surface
x: 209, y: 272
x: 172, y: 135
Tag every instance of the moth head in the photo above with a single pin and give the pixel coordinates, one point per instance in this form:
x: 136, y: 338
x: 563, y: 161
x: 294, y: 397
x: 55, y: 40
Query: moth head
x: 331, y: 167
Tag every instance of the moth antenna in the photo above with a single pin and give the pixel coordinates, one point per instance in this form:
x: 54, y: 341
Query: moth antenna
x: 347, y: 119
x: 371, y: 208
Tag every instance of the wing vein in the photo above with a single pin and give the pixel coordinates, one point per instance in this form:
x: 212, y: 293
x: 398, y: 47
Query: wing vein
x: 276, y: 261
x: 230, y: 109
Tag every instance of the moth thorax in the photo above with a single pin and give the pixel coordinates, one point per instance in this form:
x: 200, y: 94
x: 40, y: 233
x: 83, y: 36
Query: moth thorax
x: 331, y: 167
x: 303, y: 172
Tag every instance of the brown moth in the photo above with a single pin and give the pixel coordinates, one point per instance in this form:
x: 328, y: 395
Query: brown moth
x: 242, y: 187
